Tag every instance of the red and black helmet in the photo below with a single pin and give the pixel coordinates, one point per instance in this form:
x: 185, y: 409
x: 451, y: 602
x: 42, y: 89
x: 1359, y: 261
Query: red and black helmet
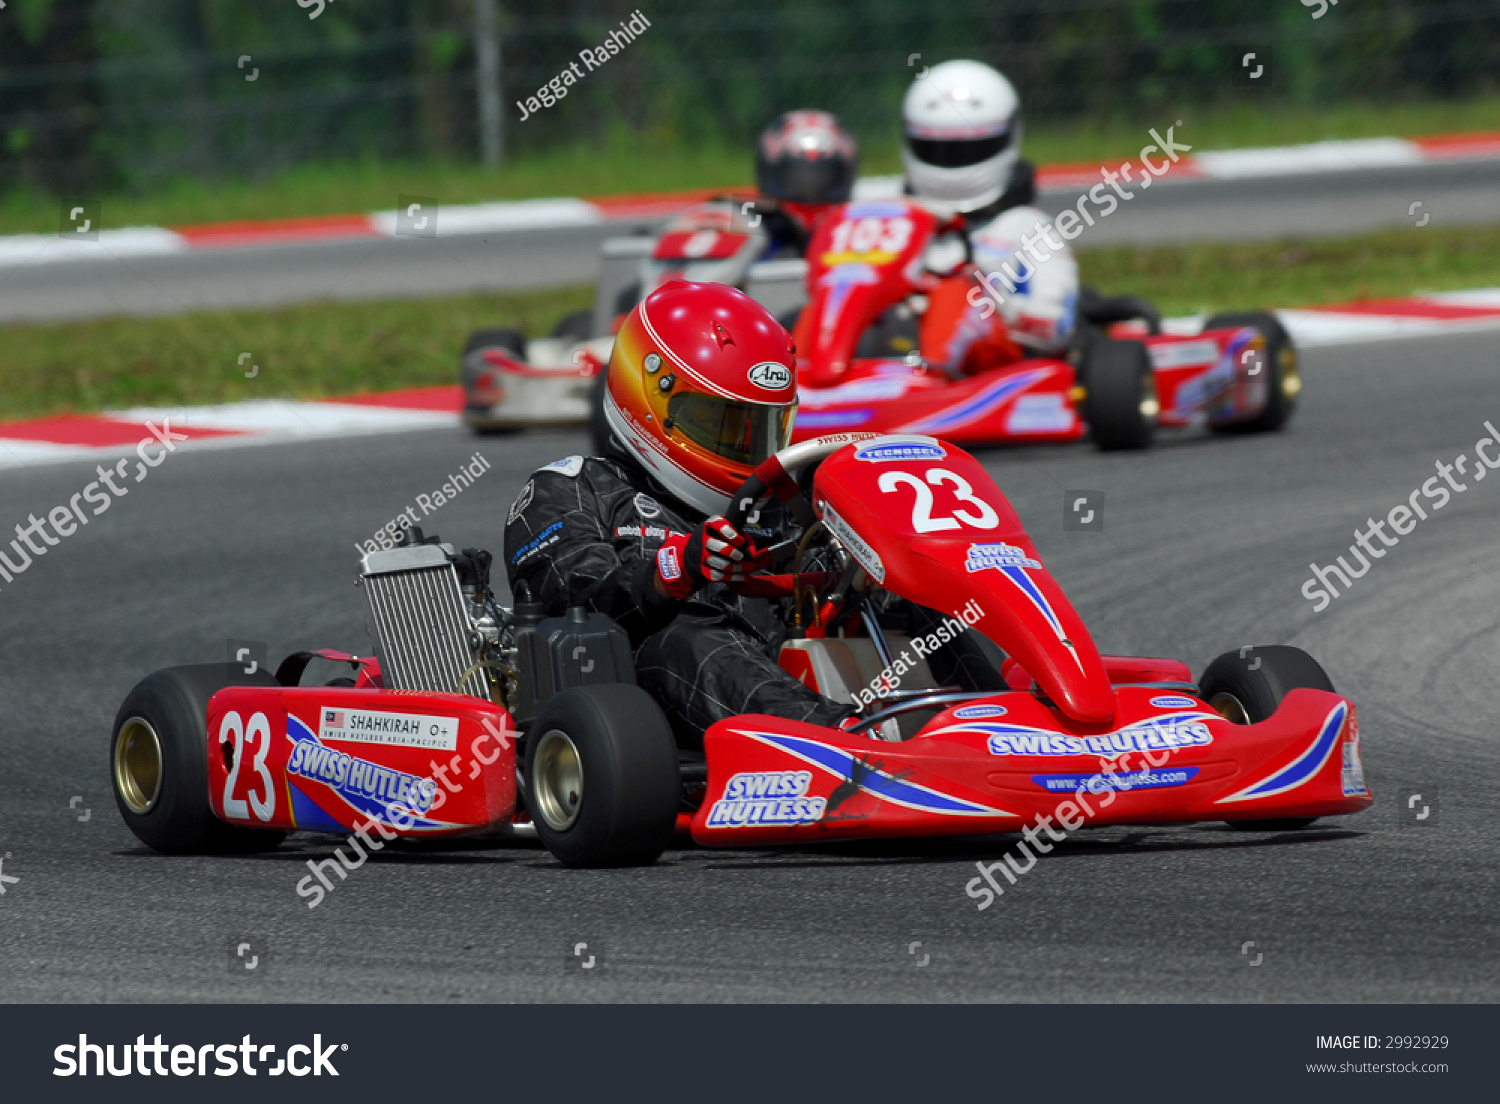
x: 702, y: 387
x: 806, y: 157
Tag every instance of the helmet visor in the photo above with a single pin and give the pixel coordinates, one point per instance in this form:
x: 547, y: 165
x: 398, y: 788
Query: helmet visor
x: 949, y: 153
x: 810, y: 180
x: 745, y: 433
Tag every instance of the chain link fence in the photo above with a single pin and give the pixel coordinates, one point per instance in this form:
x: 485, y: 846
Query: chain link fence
x: 112, y: 93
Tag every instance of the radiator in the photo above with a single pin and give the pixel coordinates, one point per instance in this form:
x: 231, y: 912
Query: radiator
x: 422, y: 634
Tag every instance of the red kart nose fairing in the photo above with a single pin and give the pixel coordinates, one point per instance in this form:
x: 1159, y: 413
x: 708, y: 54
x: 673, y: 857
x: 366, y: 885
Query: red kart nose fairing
x: 928, y: 523
x: 1009, y: 761
x: 1079, y: 738
x: 861, y: 262
x: 871, y: 255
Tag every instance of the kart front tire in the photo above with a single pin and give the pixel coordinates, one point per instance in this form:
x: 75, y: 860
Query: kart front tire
x: 1285, y: 383
x: 1121, y: 404
x: 1248, y: 688
x: 602, y: 781
x: 158, y: 763
x: 514, y: 343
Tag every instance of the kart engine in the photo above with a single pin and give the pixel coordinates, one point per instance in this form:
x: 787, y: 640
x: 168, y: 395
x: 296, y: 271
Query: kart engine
x: 438, y: 628
x: 436, y: 624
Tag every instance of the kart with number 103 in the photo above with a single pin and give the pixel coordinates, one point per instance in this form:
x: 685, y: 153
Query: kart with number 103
x: 861, y: 335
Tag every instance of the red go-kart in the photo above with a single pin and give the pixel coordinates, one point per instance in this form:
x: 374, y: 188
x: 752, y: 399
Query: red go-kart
x: 477, y: 718
x: 860, y: 368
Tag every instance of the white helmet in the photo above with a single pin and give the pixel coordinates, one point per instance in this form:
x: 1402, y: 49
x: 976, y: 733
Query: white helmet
x: 963, y: 134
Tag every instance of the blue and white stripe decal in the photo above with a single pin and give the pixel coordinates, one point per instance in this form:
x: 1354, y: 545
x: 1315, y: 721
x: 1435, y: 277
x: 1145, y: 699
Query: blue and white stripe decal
x: 842, y: 765
x: 986, y: 401
x: 1015, y: 571
x: 385, y: 812
x: 1028, y: 587
x: 1305, y: 766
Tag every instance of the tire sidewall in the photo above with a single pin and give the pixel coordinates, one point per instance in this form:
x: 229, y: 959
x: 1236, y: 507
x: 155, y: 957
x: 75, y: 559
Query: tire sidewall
x: 175, y: 703
x: 1261, y: 679
x: 1279, y: 343
x: 630, y: 776
x: 1116, y: 375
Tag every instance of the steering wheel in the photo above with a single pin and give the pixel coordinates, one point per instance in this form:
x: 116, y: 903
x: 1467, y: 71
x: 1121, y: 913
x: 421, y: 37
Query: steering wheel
x: 780, y: 477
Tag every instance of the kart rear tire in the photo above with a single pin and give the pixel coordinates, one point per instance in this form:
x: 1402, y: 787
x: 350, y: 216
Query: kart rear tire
x: 602, y: 781
x: 578, y: 326
x: 1247, y: 694
x: 512, y: 341
x: 158, y: 763
x: 1121, y: 405
x: 1285, y: 383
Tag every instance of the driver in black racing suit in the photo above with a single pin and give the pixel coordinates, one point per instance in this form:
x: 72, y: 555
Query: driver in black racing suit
x: 701, y: 388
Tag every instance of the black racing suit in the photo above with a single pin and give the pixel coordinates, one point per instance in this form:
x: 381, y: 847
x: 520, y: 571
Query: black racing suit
x: 584, y: 531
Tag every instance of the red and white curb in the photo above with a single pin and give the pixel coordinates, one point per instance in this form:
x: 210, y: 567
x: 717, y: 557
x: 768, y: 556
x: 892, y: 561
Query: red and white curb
x: 117, y: 433
x: 551, y: 214
x: 76, y: 437
x: 1305, y: 160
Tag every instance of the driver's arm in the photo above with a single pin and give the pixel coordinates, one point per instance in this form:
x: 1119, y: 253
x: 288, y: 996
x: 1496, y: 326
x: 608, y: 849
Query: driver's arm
x: 558, y: 543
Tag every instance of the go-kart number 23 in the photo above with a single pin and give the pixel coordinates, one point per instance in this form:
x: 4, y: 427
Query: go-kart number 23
x: 922, y: 518
x: 258, y: 732
x: 862, y: 235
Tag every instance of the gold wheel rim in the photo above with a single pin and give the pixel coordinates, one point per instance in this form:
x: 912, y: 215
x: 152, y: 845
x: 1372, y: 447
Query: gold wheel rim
x: 1291, y: 374
x: 138, y: 765
x: 1230, y: 708
x: 1150, y: 404
x: 559, y: 780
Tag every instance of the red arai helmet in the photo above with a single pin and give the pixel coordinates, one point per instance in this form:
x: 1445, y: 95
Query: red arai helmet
x: 702, y: 387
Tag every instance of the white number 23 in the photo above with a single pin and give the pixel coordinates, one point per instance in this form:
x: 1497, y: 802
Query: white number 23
x: 922, y: 519
x: 234, y: 731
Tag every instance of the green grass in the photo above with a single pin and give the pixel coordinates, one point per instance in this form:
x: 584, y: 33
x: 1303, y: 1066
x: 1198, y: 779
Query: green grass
x: 309, y: 351
x: 1222, y: 276
x: 340, y: 348
x: 1244, y: 127
x: 640, y: 165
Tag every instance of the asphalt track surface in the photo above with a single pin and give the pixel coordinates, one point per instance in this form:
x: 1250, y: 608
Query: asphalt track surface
x: 1174, y: 211
x: 1206, y: 544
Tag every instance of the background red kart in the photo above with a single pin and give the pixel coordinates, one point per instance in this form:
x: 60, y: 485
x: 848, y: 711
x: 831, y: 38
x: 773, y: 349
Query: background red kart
x: 469, y: 704
x: 859, y: 367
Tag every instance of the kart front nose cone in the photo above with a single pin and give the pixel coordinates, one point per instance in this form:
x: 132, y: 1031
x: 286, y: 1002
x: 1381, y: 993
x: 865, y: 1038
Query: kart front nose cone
x: 559, y: 780
x: 138, y: 762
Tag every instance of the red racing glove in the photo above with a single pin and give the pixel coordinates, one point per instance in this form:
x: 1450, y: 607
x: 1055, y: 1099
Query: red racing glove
x: 717, y: 552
